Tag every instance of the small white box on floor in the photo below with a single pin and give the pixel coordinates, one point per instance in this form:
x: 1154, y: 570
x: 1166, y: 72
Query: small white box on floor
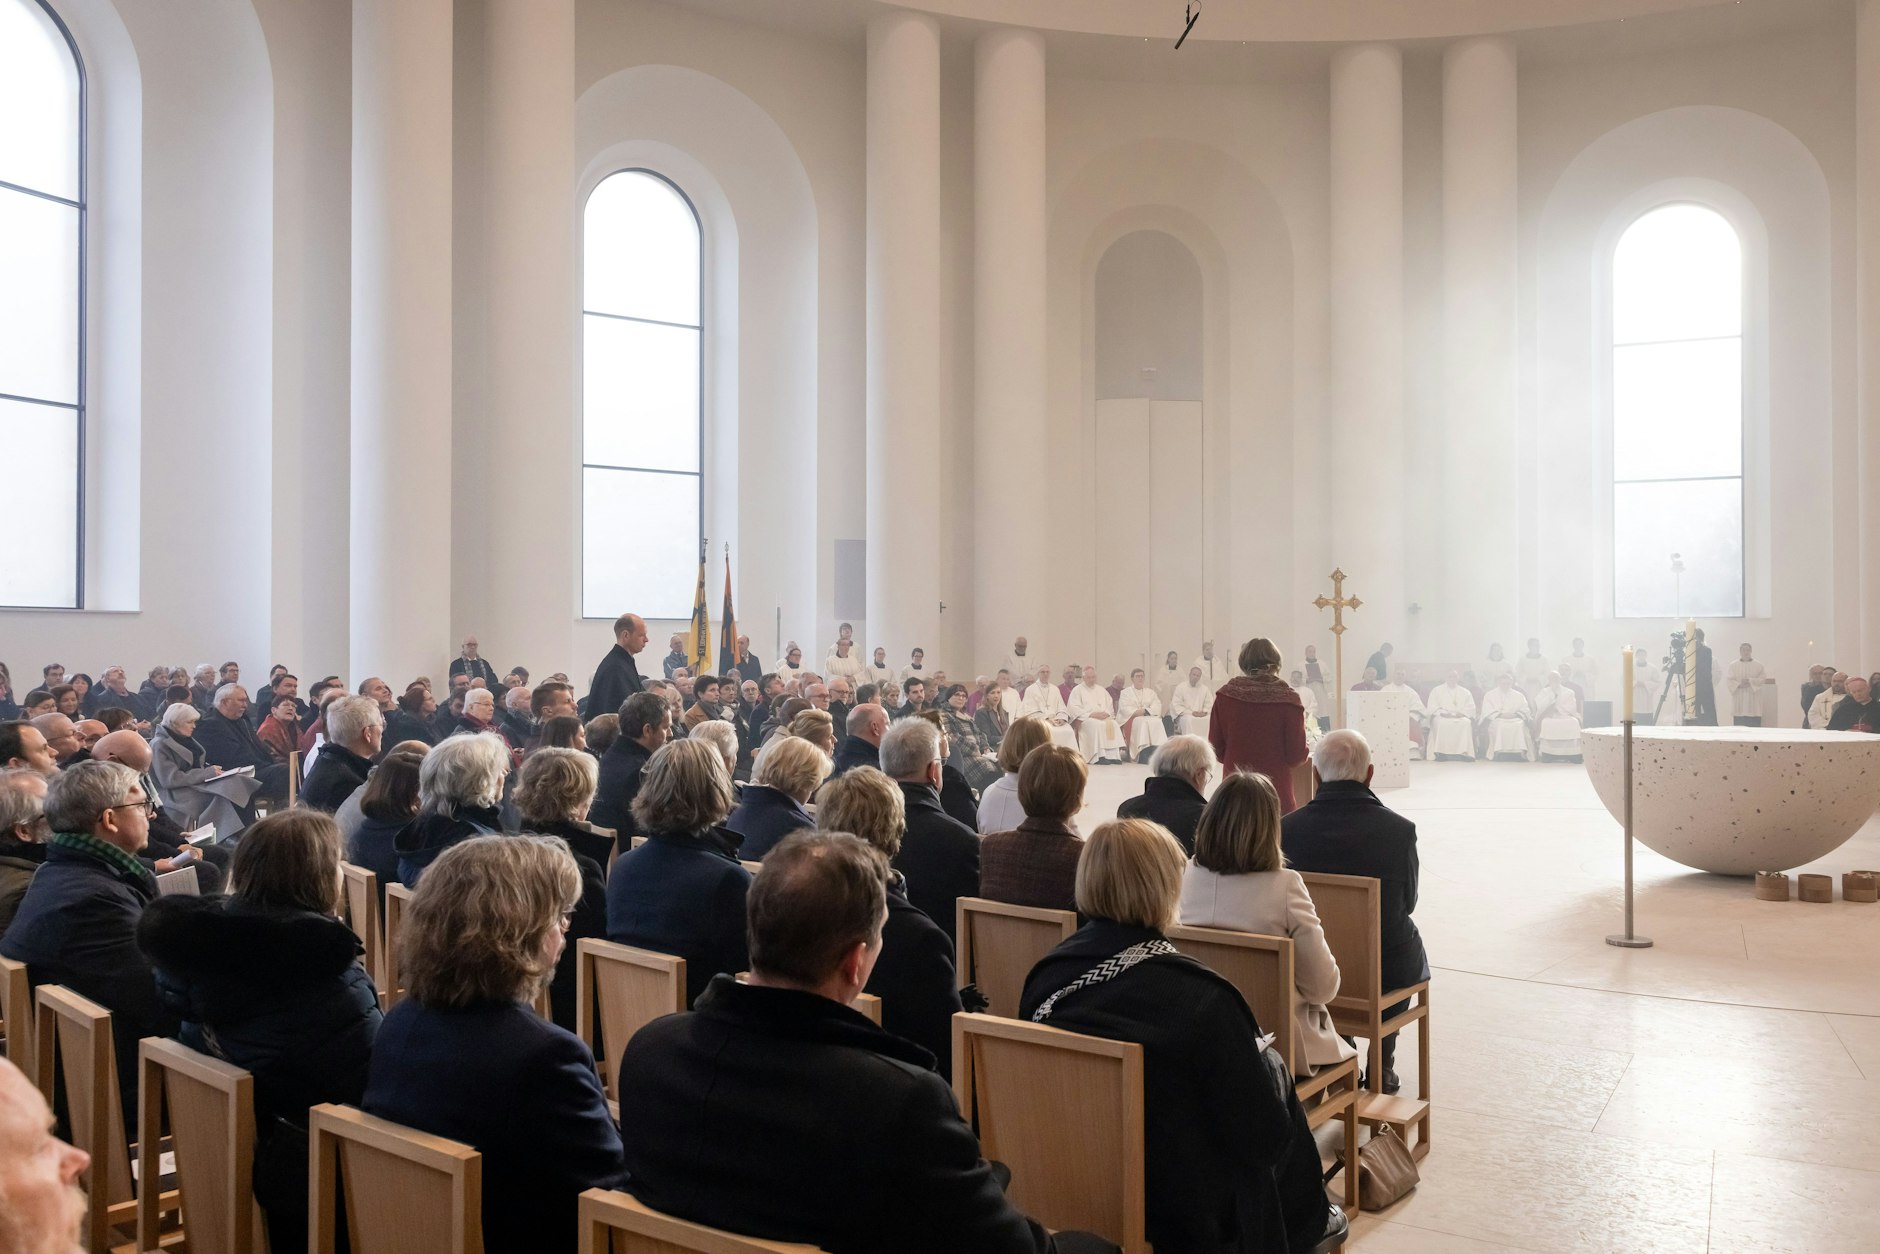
x: 1383, y: 719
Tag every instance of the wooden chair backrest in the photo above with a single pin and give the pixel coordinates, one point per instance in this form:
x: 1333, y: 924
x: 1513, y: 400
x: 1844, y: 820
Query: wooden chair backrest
x: 867, y: 1003
x: 76, y: 1031
x: 211, y: 1107
x: 1260, y: 967
x: 1064, y: 1112
x: 635, y: 1228
x: 612, y: 853
x: 361, y: 900
x: 1000, y: 943
x: 627, y: 988
x: 1348, y: 907
x: 16, y: 1015
x: 406, y: 1192
x: 392, y: 987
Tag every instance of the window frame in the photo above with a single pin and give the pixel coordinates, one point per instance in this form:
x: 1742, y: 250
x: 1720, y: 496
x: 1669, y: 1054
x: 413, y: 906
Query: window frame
x: 78, y: 408
x: 698, y: 226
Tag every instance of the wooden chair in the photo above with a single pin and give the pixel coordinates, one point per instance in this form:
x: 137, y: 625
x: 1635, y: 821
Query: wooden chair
x: 392, y: 987
x: 361, y: 902
x: 629, y: 988
x: 1064, y: 1112
x: 1348, y: 907
x: 211, y: 1107
x: 999, y: 944
x: 75, y: 1044
x: 632, y: 1227
x: 1261, y: 968
x: 406, y: 1192
x: 16, y: 1015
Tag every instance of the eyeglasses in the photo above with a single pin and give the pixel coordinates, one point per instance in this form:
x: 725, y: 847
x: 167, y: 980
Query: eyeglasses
x: 148, y: 805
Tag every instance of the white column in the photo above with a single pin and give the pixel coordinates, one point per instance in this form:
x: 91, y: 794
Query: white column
x: 1481, y: 344
x: 1867, y: 235
x: 903, y: 322
x: 401, y: 338
x: 1011, y: 521
x: 1367, y: 348
x: 531, y: 600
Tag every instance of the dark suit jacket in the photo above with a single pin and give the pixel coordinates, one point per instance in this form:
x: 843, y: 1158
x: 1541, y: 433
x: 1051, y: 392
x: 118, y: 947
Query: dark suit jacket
x: 620, y: 769
x: 939, y: 856
x: 683, y: 893
x: 770, y: 1112
x: 1173, y: 803
x: 915, y: 979
x: 765, y: 816
x: 336, y: 773
x: 1033, y: 866
x: 231, y: 742
x: 476, y: 668
x: 1346, y: 830
x: 520, y: 1090
x: 615, y: 679
x: 854, y: 752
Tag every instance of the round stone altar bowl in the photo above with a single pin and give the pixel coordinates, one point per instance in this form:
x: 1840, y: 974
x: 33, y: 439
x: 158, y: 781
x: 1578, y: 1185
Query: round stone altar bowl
x: 1737, y: 800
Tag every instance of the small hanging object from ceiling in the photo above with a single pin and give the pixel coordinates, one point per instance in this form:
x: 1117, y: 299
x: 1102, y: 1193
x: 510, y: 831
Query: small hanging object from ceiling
x: 1193, y: 14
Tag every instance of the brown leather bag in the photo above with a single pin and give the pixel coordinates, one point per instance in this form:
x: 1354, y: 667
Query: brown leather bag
x: 1385, y: 1170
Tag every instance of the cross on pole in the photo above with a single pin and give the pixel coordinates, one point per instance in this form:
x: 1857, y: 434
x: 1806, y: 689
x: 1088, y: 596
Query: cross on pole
x: 1338, y: 603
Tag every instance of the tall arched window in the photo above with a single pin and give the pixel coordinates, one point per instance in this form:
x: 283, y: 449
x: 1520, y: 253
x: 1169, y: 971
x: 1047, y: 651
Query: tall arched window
x: 1677, y: 416
x: 642, y: 427
x: 42, y: 306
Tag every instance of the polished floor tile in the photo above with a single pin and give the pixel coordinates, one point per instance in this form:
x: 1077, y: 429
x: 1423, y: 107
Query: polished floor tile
x: 1769, y: 1206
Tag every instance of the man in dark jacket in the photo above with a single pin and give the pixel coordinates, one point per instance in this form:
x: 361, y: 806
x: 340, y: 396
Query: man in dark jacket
x: 866, y: 725
x: 77, y: 925
x: 354, y: 728
x: 1171, y: 795
x: 645, y: 725
x: 774, y: 1110
x: 939, y: 855
x: 472, y: 665
x: 1706, y: 684
x: 1346, y: 830
x: 618, y: 676
x: 231, y: 743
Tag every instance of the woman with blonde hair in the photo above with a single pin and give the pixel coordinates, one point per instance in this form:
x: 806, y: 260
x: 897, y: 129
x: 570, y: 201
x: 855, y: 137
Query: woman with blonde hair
x: 816, y: 726
x: 465, y: 1056
x: 552, y: 798
x: 1230, y: 1165
x: 1239, y: 880
x: 789, y: 770
x: 999, y: 808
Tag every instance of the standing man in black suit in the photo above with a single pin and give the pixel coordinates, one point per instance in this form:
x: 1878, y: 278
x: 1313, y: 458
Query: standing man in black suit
x: 939, y: 855
x: 618, y: 677
x: 1346, y: 830
x: 1706, y: 684
x: 470, y: 663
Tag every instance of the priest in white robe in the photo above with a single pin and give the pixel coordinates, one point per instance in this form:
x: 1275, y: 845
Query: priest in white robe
x: 843, y: 664
x: 1557, y: 720
x: 1093, y: 717
x: 1043, y: 700
x: 1504, y: 721
x: 1452, y: 720
x: 1585, y: 670
x: 1416, y: 730
x: 1020, y: 663
x: 1140, y: 713
x: 1746, y: 685
x: 1190, y: 704
x: 1823, y: 708
x: 1214, y: 670
x: 1168, y: 677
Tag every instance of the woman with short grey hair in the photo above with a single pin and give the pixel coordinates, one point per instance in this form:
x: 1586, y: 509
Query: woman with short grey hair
x: 552, y: 797
x: 180, y: 765
x: 715, y: 731
x: 460, y: 786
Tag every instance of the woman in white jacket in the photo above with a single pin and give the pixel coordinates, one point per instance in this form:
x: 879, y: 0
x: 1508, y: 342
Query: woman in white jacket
x: 999, y: 810
x: 1239, y: 880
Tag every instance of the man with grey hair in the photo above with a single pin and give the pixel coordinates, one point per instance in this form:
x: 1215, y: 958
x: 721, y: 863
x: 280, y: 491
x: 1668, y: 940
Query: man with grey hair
x: 77, y: 925
x: 1174, y: 793
x: 62, y: 738
x: 518, y: 720
x: 354, y: 729
x: 231, y: 742
x: 1346, y: 830
x: 23, y: 834
x: 939, y: 855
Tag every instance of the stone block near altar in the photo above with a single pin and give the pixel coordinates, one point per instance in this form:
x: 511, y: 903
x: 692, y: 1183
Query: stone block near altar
x: 1383, y: 719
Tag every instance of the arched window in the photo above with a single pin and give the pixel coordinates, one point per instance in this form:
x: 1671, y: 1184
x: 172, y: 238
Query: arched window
x: 642, y: 428
x: 1677, y: 416
x: 42, y: 306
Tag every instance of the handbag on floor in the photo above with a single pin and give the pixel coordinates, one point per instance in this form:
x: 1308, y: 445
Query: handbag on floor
x: 1385, y: 1170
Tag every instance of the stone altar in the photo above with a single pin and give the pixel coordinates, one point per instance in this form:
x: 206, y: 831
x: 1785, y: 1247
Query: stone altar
x: 1383, y: 719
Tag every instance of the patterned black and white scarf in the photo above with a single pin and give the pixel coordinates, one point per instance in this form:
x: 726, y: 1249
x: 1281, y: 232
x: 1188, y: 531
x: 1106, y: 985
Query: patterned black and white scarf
x: 1108, y: 969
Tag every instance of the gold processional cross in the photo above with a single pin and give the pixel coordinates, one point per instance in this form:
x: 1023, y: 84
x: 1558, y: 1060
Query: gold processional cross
x: 1338, y: 603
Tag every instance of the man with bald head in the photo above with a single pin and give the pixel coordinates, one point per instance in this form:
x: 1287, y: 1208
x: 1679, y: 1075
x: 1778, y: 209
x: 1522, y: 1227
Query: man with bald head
x: 62, y: 738
x: 90, y: 731
x: 471, y: 664
x: 618, y: 676
x: 862, y: 746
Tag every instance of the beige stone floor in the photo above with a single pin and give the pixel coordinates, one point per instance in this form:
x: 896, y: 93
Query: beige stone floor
x: 1717, y: 1092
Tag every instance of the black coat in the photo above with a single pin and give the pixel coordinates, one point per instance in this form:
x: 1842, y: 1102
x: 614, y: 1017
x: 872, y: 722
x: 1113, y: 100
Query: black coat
x: 589, y: 920
x: 520, y: 1090
x: 1346, y: 830
x: 1173, y: 803
x: 915, y: 978
x: 683, y: 893
x: 783, y: 1115
x: 957, y: 797
x: 231, y: 742
x: 939, y: 856
x: 401, y: 725
x: 764, y: 817
x: 854, y: 752
x: 475, y: 668
x: 336, y: 774
x: 619, y: 784
x: 615, y: 679
x: 1218, y: 1133
x: 372, y: 847
x: 420, y: 841
x: 77, y: 926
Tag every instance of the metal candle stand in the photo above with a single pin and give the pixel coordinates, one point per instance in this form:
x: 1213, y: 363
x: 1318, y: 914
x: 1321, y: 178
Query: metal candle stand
x: 1628, y: 940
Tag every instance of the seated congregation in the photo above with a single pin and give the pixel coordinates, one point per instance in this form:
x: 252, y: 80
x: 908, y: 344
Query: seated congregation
x: 436, y: 931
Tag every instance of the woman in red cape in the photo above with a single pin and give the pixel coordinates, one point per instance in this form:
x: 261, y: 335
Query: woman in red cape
x: 1258, y: 722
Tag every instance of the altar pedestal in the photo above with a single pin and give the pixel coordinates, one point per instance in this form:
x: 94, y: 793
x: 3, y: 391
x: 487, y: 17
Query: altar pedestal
x: 1383, y: 719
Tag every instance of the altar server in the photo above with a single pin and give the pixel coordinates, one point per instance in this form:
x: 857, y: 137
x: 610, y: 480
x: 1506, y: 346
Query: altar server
x: 1168, y: 677
x: 1093, y: 716
x: 1746, y: 685
x: 1214, y: 670
x: 1140, y: 712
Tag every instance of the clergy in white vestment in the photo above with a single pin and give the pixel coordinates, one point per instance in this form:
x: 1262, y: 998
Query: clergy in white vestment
x: 1531, y: 671
x: 1168, y: 677
x: 1003, y: 692
x: 1585, y: 669
x: 1452, y: 720
x: 1415, y: 730
x: 1140, y: 713
x: 1823, y: 709
x: 1214, y: 670
x: 1043, y: 700
x: 1019, y: 663
x: 1746, y: 685
x: 916, y: 668
x: 1557, y: 720
x: 791, y: 668
x: 1504, y: 721
x: 843, y: 664
x: 1093, y: 716
x: 1190, y: 704
x: 1488, y: 673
